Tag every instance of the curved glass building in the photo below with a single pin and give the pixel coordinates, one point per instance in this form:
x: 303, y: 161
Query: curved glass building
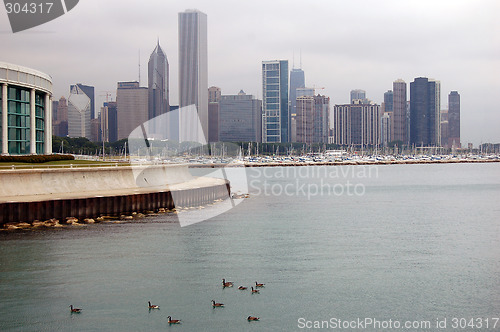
x: 25, y: 111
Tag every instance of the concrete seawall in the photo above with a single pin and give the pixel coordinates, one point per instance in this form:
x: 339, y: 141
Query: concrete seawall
x: 41, y: 194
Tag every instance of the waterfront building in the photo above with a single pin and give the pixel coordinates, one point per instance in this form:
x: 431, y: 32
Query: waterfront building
x: 356, y: 124
x: 88, y: 90
x: 425, y: 112
x: 399, y: 109
x: 386, y: 129
x: 78, y: 113
x: 109, y: 123
x: 95, y: 130
x: 454, y: 119
x: 321, y: 119
x: 297, y: 80
x: 55, y: 104
x: 408, y: 122
x: 240, y: 118
x: 214, y: 95
x: 158, y: 83
x: 388, y: 101
x: 25, y: 111
x: 305, y: 119
x: 313, y: 119
x: 193, y: 64
x: 60, y: 124
x: 275, y: 112
x: 444, y: 128
x: 132, y: 107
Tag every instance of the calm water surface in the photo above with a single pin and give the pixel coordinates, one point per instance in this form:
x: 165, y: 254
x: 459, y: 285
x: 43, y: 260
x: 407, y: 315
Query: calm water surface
x: 416, y: 242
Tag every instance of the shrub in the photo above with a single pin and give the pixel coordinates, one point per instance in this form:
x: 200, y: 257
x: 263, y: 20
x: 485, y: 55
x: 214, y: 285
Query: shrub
x: 36, y: 159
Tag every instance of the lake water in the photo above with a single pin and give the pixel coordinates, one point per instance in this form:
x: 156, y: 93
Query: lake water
x: 416, y: 243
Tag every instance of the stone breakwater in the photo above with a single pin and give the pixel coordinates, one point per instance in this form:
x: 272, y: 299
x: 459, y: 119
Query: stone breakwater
x: 85, y: 194
x: 342, y: 163
x: 75, y: 222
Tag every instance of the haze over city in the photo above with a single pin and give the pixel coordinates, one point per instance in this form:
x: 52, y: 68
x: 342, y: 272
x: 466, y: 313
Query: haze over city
x: 340, y: 45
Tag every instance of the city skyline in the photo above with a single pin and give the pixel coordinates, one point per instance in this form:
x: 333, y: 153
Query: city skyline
x: 399, y: 40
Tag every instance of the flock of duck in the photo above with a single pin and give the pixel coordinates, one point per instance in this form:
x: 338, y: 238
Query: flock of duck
x: 231, y: 284
x: 214, y: 304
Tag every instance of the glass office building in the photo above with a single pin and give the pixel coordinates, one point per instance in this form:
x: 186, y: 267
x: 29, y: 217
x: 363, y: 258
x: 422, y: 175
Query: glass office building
x: 275, y: 112
x: 25, y: 110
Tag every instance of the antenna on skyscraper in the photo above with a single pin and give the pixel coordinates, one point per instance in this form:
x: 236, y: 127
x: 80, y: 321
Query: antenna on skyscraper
x: 300, y: 59
x: 293, y: 60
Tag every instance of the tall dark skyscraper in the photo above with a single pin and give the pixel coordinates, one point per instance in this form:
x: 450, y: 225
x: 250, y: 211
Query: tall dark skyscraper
x: 425, y: 112
x: 275, y: 112
x: 399, y: 116
x: 454, y: 119
x: 388, y: 101
x: 158, y: 87
x: 89, y: 92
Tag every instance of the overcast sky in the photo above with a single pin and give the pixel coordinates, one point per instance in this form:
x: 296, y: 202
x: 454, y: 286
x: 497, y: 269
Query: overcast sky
x: 345, y: 45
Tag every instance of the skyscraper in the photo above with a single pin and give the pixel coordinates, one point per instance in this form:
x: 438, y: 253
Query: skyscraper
x: 356, y: 124
x: 214, y: 95
x: 297, y: 80
x: 399, y: 124
x: 158, y: 87
x: 95, y: 130
x: 109, y: 124
x: 305, y: 119
x: 358, y: 94
x: 313, y: 119
x: 132, y: 107
x: 240, y: 118
x: 385, y: 128
x: 79, y: 109
x: 275, y: 112
x: 321, y: 118
x: 193, y: 64
x: 61, y: 120
x: 454, y: 119
x: 425, y: 111
x: 388, y: 101
x: 444, y: 129
x: 89, y: 91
